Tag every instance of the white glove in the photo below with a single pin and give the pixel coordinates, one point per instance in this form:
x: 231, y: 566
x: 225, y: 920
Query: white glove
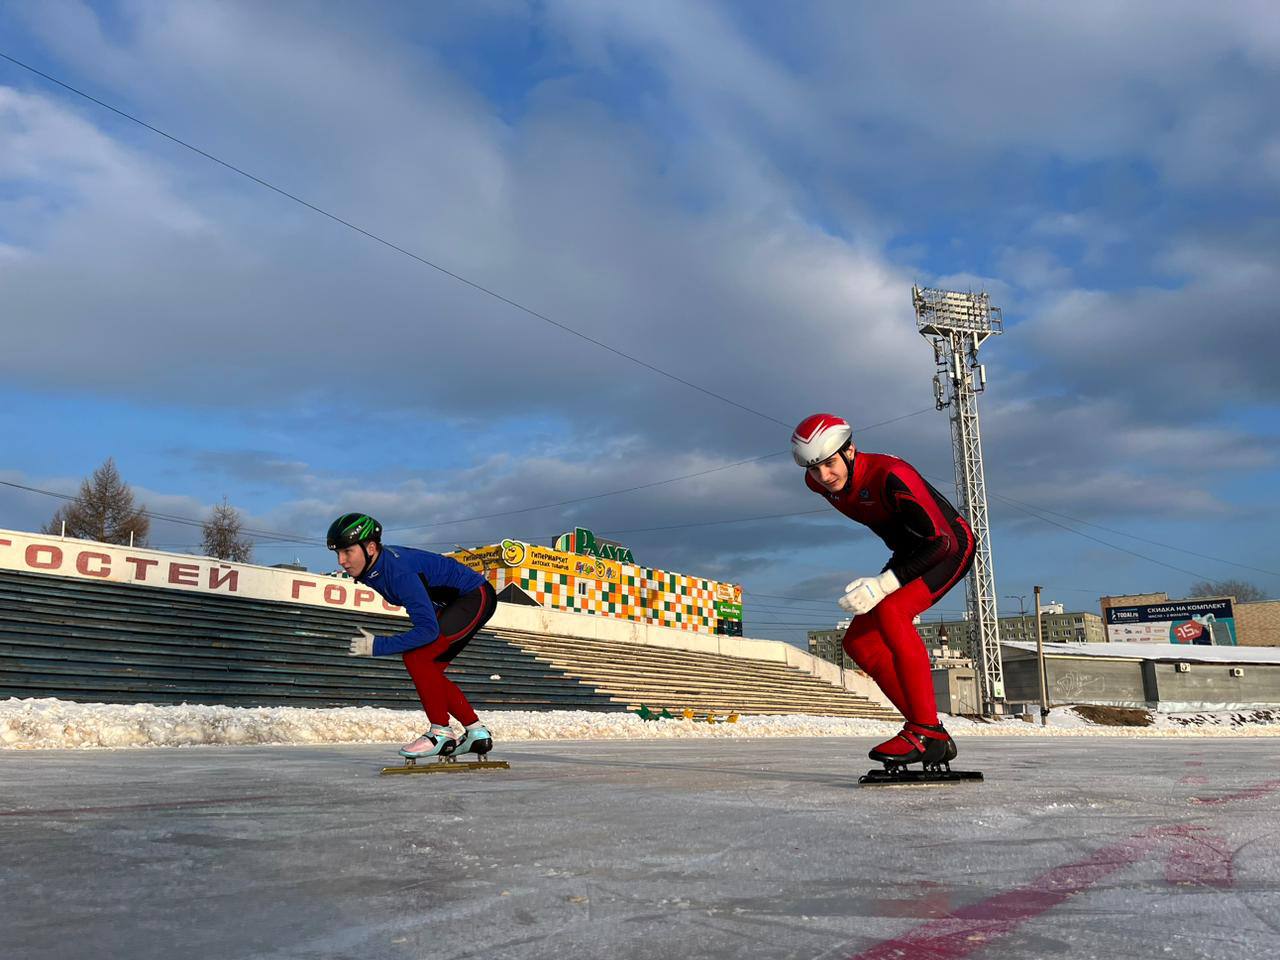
x: 864, y: 593
x: 361, y: 644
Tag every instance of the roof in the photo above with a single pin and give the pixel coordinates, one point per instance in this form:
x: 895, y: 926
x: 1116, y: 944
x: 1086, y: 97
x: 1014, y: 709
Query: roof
x: 1154, y: 651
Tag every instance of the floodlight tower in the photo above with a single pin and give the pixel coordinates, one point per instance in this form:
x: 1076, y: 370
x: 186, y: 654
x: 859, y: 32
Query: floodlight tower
x: 958, y: 324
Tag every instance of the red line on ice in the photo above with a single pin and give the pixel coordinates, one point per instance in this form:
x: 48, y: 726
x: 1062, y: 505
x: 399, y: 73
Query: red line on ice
x: 971, y: 928
x: 1252, y: 793
x: 1196, y: 857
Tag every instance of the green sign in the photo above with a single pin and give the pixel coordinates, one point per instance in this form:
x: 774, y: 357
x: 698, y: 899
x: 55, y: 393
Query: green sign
x: 584, y: 542
x: 728, y: 611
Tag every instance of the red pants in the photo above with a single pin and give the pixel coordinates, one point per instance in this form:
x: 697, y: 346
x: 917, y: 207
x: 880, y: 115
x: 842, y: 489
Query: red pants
x: 884, y: 642
x: 459, y: 622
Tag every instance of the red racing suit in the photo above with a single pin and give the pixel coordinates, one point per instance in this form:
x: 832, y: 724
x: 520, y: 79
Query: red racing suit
x: 932, y: 547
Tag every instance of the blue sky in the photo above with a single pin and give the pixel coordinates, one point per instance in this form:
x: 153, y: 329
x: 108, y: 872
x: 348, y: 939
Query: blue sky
x: 738, y: 196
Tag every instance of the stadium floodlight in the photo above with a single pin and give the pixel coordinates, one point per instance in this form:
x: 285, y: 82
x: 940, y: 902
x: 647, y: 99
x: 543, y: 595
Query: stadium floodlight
x: 958, y: 324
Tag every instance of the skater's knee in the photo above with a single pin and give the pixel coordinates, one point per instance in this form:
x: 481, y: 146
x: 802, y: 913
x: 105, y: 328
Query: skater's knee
x: 897, y: 607
x: 869, y: 652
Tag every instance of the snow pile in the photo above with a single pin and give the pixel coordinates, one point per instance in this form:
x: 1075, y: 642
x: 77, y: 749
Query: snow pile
x: 47, y: 723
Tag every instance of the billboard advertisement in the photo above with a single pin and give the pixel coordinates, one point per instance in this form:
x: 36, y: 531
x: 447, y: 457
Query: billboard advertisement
x: 1208, y: 622
x: 517, y: 553
x: 87, y: 560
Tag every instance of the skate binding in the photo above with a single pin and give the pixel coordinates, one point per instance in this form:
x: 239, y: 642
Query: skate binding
x: 930, y: 746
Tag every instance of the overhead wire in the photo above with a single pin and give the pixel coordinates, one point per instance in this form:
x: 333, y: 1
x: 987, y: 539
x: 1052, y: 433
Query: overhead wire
x: 1134, y: 536
x: 283, y: 539
x: 394, y: 246
x: 643, y: 486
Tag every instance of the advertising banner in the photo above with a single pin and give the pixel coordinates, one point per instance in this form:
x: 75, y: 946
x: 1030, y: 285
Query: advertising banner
x: 1209, y: 622
x: 728, y: 611
x: 731, y: 592
x: 88, y: 560
x: 517, y: 553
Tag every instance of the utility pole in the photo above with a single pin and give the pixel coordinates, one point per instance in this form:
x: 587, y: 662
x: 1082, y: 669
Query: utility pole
x: 1044, y: 683
x: 1022, y: 609
x: 958, y: 324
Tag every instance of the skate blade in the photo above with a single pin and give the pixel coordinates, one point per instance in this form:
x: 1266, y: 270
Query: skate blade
x: 914, y: 778
x: 447, y: 765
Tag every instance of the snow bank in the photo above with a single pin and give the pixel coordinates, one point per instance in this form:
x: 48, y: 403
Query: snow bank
x: 46, y: 723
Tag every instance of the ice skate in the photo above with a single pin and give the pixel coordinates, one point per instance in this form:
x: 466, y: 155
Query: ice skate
x: 477, y: 740
x: 929, y: 746
x: 445, y: 750
x: 428, y: 745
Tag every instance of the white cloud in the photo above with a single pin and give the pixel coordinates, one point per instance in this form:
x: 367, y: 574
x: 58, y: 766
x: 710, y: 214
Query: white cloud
x: 693, y: 189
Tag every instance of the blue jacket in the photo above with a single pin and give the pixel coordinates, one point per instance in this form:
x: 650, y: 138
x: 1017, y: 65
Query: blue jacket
x: 417, y: 580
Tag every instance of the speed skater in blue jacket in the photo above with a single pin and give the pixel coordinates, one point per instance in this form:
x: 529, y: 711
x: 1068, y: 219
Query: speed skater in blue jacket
x: 446, y: 601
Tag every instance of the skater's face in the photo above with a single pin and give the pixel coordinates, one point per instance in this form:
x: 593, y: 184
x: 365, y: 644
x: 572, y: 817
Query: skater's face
x: 832, y: 473
x: 351, y: 558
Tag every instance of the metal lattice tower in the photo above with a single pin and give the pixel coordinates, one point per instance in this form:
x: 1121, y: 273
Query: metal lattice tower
x: 958, y: 324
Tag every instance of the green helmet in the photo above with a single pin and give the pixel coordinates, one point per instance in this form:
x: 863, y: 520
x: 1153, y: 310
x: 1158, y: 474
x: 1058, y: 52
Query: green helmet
x: 352, y: 528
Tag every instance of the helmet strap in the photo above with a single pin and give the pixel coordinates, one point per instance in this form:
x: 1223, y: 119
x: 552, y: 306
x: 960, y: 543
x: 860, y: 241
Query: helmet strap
x: 849, y: 458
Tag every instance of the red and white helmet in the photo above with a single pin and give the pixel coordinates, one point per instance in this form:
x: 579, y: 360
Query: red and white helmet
x: 818, y: 437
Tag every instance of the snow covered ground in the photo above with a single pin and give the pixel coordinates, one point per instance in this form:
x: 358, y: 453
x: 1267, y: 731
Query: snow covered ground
x: 688, y: 849
x: 33, y: 724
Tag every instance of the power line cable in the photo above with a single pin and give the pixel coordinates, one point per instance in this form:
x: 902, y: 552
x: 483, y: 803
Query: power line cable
x: 1134, y: 536
x: 519, y: 306
x: 531, y: 312
x: 1081, y: 533
x: 393, y: 246
x: 1113, y: 546
x: 292, y: 540
x: 643, y: 486
x: 283, y: 539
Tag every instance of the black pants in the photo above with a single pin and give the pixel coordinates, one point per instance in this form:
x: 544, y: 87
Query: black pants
x: 461, y: 619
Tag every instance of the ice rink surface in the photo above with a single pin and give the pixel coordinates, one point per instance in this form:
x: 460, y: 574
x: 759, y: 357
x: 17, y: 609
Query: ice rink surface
x: 1081, y: 848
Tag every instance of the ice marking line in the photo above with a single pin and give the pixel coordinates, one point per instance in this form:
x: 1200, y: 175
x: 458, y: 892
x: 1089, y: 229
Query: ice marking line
x: 1197, y: 857
x: 174, y: 804
x: 1250, y: 793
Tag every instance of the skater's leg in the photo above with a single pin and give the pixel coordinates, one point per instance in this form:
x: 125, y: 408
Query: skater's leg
x: 458, y: 704
x: 429, y: 681
x: 867, y: 648
x: 459, y: 622
x: 440, y: 696
x: 893, y: 618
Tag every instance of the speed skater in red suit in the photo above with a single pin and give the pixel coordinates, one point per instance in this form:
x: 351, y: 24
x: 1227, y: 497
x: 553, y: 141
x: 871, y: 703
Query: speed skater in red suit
x: 932, y: 548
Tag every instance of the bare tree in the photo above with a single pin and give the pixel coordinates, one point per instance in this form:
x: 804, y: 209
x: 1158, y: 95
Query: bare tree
x: 1242, y: 590
x: 221, y: 535
x: 104, y: 511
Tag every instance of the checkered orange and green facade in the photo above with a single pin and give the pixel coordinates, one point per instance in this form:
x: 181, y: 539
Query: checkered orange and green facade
x: 642, y: 595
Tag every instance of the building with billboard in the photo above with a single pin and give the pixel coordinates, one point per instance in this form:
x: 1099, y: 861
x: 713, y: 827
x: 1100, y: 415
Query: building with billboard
x: 1059, y: 625
x: 1208, y: 622
x: 601, y: 578
x: 1143, y: 617
x: 825, y: 645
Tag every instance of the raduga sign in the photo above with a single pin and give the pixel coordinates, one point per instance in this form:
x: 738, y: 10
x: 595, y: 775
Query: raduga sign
x: 87, y: 560
x: 584, y: 542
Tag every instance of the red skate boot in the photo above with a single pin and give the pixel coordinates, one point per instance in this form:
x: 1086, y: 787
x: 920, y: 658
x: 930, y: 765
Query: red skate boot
x: 930, y: 746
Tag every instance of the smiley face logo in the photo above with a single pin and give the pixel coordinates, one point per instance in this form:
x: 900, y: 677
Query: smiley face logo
x: 514, y: 552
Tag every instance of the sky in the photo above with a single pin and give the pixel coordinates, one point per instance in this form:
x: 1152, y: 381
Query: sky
x: 592, y: 248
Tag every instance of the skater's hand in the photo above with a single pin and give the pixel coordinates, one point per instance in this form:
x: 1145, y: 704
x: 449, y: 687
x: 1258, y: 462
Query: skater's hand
x: 361, y: 644
x: 863, y: 594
